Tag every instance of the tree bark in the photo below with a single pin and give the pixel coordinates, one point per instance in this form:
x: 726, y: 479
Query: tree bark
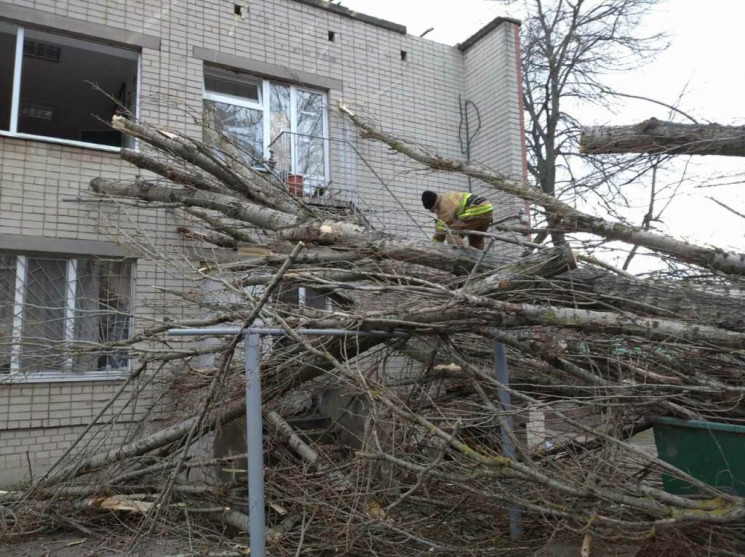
x: 657, y: 297
x: 656, y: 137
x: 255, y: 190
x: 545, y: 263
x: 233, y: 207
x: 453, y: 259
x: 145, y: 444
x: 567, y: 216
x: 600, y: 321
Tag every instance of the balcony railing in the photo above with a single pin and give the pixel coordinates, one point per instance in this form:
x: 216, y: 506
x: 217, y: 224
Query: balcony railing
x: 301, y: 162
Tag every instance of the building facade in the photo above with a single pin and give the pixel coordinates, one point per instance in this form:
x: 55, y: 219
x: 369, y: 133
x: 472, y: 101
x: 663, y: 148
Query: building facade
x: 270, y: 74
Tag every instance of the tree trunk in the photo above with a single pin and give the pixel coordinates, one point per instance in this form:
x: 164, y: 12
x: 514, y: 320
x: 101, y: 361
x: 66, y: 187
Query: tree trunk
x: 145, y: 444
x: 569, y: 218
x: 665, y: 138
x: 452, y: 259
x: 600, y: 321
x: 253, y: 187
x: 670, y: 299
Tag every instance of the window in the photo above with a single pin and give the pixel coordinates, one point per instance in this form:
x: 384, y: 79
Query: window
x: 281, y: 126
x: 303, y: 297
x: 57, y: 314
x: 232, y: 106
x: 62, y: 88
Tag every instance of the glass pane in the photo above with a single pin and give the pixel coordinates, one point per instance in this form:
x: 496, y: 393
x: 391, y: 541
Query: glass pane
x: 43, y: 314
x: 7, y: 65
x: 310, y: 152
x: 103, y: 308
x: 7, y: 301
x: 70, y: 88
x: 315, y: 300
x: 279, y: 109
x: 235, y: 87
x: 310, y: 108
x: 310, y: 158
x: 244, y: 126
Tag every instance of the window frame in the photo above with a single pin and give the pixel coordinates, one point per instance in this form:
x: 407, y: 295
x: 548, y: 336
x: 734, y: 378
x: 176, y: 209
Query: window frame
x: 16, y: 375
x: 264, y: 104
x: 226, y: 98
x: 15, y: 105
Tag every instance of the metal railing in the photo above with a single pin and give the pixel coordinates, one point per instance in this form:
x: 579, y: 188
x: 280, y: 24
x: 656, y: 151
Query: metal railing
x: 302, y: 163
x: 254, y: 417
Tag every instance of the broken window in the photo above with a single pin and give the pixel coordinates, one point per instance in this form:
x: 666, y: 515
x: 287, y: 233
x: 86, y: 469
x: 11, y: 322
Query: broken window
x: 64, y: 88
x: 280, y: 126
x: 60, y: 314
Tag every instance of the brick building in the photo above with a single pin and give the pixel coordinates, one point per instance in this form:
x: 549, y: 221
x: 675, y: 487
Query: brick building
x: 268, y: 72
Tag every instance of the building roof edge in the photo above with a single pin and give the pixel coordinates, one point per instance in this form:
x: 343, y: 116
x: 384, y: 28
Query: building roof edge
x: 485, y: 30
x: 346, y: 12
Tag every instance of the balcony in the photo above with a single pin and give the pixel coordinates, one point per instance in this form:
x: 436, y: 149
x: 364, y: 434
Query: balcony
x: 301, y: 163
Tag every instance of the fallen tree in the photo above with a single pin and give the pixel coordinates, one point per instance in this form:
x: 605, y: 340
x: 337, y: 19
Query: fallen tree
x: 416, y: 442
x: 565, y: 216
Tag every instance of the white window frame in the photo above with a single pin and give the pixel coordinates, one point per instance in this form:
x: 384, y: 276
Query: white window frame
x: 63, y: 375
x: 15, y: 104
x: 233, y: 100
x: 264, y: 104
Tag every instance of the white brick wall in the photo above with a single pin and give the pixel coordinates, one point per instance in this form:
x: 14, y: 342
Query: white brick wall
x: 416, y: 99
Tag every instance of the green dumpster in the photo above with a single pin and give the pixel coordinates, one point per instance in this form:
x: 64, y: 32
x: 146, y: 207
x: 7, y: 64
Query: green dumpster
x: 711, y: 452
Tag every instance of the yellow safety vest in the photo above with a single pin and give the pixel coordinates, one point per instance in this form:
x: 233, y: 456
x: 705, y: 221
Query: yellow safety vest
x: 469, y: 206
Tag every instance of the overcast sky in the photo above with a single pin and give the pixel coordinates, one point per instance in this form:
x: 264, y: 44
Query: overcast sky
x: 706, y: 59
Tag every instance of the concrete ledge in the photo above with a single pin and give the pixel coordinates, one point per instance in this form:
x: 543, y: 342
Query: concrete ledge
x: 484, y: 31
x: 39, y: 18
x: 32, y: 245
x: 351, y: 14
x: 265, y: 69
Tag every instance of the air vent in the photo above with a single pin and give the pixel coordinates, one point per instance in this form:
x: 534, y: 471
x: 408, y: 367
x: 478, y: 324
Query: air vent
x: 41, y: 51
x: 37, y: 112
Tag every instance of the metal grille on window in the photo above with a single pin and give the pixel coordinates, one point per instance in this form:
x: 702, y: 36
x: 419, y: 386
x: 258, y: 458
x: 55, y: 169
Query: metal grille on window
x: 7, y: 304
x: 61, y: 315
x: 102, y: 313
x: 44, y: 315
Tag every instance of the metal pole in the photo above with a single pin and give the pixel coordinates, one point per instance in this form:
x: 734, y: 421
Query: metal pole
x: 232, y: 331
x: 505, y: 401
x: 254, y: 446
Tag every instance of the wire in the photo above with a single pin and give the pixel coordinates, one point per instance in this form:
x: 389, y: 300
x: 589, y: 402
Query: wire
x: 464, y: 122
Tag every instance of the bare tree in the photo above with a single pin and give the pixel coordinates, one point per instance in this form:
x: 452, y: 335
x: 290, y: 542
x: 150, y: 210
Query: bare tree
x: 420, y: 469
x: 568, y: 47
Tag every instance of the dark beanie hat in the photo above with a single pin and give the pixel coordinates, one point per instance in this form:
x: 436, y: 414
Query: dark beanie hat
x: 429, y: 198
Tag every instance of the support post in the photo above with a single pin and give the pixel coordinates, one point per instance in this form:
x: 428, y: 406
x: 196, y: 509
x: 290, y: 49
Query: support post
x: 505, y: 401
x: 254, y: 446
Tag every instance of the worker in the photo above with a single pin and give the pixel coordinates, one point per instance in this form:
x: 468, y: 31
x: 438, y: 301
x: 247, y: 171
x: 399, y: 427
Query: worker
x: 459, y: 211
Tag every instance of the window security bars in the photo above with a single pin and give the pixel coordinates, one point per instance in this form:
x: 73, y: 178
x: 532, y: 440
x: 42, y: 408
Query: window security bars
x: 58, y: 314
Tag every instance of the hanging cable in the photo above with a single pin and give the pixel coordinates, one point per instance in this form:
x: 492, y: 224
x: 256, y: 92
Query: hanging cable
x: 465, y: 147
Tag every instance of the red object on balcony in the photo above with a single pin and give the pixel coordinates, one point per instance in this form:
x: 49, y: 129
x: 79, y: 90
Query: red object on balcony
x: 295, y: 184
